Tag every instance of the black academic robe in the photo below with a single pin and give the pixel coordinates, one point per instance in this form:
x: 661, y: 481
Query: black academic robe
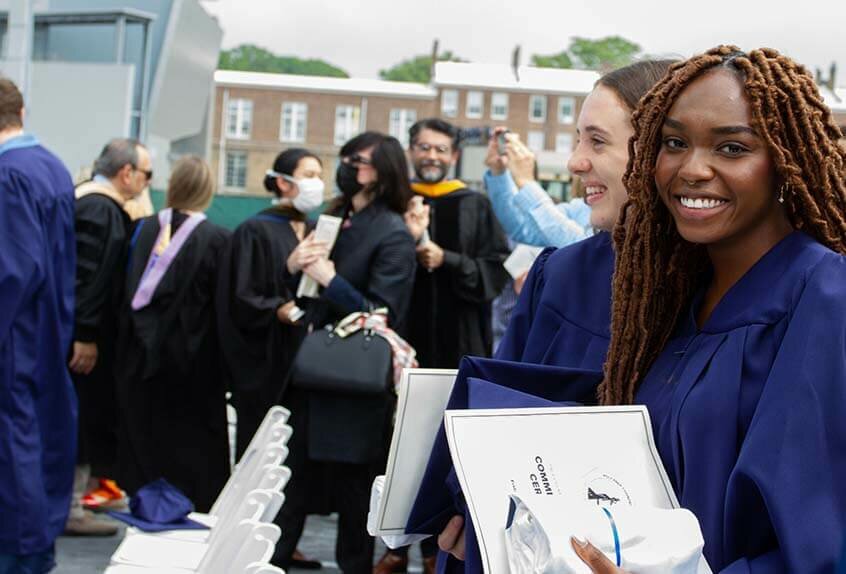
x: 450, y: 309
x: 254, y: 282
x: 102, y: 228
x: 170, y: 390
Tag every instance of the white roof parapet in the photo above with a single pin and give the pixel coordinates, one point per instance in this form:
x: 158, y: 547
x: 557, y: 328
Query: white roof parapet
x: 501, y: 77
x: 297, y: 83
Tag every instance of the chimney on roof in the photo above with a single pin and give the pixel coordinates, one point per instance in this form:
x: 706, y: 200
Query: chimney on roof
x: 831, y: 81
x: 434, y: 61
x: 515, y: 62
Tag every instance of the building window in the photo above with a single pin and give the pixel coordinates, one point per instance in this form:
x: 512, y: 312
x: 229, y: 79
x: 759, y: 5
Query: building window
x: 566, y: 110
x: 475, y: 105
x: 236, y: 170
x: 400, y: 122
x: 537, y: 108
x: 449, y: 103
x: 347, y: 123
x: 536, y: 141
x: 293, y: 124
x: 564, y: 143
x: 239, y: 119
x: 499, y: 106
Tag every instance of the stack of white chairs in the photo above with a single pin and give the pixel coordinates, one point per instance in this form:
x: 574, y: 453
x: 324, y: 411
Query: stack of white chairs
x: 242, y: 537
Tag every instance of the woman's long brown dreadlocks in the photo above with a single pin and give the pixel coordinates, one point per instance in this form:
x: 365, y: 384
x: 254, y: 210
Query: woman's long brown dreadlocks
x: 658, y: 271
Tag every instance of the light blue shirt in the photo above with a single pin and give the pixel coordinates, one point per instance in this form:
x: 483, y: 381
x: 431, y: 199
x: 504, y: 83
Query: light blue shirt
x: 529, y: 215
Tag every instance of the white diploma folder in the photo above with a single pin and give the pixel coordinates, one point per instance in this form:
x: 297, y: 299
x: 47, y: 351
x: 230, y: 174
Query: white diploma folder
x: 599, y: 455
x: 327, y: 229
x: 423, y: 396
x: 521, y: 259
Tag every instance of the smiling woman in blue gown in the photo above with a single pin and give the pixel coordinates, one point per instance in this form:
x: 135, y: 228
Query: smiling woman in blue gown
x: 563, y: 314
x: 729, y: 307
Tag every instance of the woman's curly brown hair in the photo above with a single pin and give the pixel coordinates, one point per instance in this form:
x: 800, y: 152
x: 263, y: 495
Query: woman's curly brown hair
x: 657, y: 270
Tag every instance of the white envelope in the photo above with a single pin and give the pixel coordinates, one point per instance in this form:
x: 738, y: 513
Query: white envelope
x: 327, y: 229
x: 521, y: 259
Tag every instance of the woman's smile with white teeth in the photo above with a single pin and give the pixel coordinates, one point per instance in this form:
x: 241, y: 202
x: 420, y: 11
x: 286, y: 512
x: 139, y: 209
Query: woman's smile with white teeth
x: 700, y: 203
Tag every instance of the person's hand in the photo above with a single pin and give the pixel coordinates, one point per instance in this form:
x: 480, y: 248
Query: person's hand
x: 307, y: 252
x: 452, y: 538
x: 430, y: 255
x: 521, y: 161
x: 417, y: 217
x: 282, y: 312
x: 84, y: 358
x: 496, y: 163
x: 596, y: 560
x: 519, y: 282
x: 322, y: 271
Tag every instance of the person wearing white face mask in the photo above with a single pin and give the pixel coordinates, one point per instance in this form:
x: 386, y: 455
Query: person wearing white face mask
x: 257, y: 312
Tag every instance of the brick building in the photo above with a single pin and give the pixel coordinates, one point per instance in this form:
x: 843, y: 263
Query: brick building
x: 257, y: 115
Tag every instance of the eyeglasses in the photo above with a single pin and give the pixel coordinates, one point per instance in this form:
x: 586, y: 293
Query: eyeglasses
x: 440, y: 149
x: 148, y: 173
x: 356, y: 159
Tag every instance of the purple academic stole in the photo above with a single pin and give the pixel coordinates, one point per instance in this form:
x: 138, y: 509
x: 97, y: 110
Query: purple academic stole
x: 164, y: 252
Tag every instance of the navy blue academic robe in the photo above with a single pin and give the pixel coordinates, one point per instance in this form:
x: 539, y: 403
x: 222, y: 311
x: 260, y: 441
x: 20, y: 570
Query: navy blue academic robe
x: 561, y: 320
x: 37, y: 400
x: 749, y: 414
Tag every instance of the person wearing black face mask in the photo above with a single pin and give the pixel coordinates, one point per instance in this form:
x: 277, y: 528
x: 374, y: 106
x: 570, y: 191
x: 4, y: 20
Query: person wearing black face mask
x: 346, y: 177
x: 340, y: 440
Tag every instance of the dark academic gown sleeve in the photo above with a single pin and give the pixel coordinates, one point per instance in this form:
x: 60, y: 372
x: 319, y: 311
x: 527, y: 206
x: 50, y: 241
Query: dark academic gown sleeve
x: 100, y: 240
x: 388, y: 284
x: 793, y: 459
x: 252, y: 283
x: 252, y: 306
x: 477, y: 274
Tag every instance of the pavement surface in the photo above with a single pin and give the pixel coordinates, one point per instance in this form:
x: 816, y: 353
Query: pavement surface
x: 87, y: 555
x: 76, y: 555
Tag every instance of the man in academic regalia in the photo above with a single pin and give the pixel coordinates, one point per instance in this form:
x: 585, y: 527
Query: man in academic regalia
x: 121, y: 172
x: 37, y: 402
x: 460, y: 251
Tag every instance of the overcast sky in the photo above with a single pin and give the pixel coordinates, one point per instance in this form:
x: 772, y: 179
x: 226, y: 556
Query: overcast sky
x: 364, y: 36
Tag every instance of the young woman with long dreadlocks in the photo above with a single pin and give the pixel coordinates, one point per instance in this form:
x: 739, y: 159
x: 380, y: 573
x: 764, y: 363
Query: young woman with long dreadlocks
x: 729, y: 307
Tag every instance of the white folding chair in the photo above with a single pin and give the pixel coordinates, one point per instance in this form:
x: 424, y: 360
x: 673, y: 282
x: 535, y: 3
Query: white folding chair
x: 258, y: 568
x: 248, y: 473
x: 273, y: 480
x: 254, y: 536
x: 258, y: 548
x: 275, y: 416
x: 160, y: 552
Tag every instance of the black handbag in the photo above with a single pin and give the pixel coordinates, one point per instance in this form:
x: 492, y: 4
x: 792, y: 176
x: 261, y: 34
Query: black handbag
x: 329, y: 360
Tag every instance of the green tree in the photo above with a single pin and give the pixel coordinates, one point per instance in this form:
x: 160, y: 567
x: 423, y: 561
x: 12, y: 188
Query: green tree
x: 417, y: 69
x: 601, y: 54
x: 251, y: 58
x: 559, y: 60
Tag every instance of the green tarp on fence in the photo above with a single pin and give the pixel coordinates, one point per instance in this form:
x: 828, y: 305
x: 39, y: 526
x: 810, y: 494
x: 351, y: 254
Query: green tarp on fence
x: 226, y: 210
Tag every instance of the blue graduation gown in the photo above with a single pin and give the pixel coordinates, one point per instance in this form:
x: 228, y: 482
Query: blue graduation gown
x: 749, y: 414
x: 560, y: 323
x: 37, y: 401
x: 564, y: 312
